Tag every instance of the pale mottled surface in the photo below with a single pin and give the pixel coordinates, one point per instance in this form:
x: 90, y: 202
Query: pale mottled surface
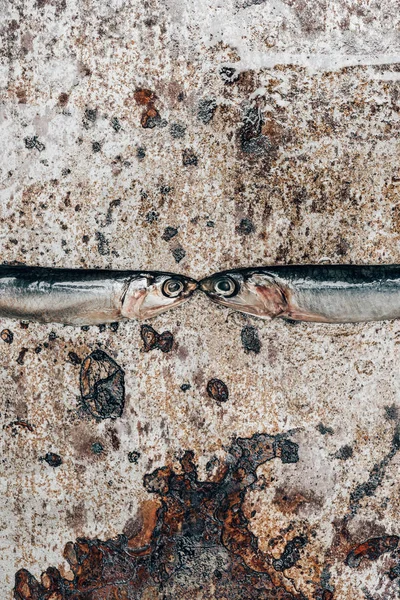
x: 303, y: 142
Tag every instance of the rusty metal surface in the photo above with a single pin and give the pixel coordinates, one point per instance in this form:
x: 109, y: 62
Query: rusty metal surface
x: 208, y: 454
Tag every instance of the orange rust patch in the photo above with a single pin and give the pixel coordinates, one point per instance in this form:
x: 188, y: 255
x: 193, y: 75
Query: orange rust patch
x: 372, y: 549
x: 143, y: 96
x: 191, y: 524
x: 149, y: 116
x: 147, y: 520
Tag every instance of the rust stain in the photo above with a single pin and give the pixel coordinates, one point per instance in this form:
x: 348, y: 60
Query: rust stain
x: 74, y: 358
x: 150, y: 117
x: 217, y: 390
x: 52, y: 459
x: 19, y: 423
x: 193, y: 538
x: 7, y: 336
x: 143, y: 96
x: 153, y: 340
x: 140, y: 531
x: 372, y: 549
x: 21, y: 356
x: 63, y: 99
x: 102, y: 386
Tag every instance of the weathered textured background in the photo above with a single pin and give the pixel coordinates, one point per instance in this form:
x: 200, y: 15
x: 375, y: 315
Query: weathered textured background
x: 262, y: 131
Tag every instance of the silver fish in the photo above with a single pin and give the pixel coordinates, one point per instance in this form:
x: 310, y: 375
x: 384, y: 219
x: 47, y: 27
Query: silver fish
x: 88, y: 296
x: 319, y: 293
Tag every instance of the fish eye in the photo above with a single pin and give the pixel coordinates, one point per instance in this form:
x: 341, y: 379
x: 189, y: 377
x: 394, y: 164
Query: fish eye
x: 172, y: 288
x: 225, y: 287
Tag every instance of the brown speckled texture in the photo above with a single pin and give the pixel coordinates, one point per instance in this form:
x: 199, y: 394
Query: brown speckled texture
x: 197, y: 136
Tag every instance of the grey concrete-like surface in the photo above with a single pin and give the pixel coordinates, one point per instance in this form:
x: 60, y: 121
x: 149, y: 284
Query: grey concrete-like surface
x: 262, y: 132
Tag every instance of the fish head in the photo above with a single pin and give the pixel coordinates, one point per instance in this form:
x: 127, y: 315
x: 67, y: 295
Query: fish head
x: 247, y: 291
x: 155, y: 293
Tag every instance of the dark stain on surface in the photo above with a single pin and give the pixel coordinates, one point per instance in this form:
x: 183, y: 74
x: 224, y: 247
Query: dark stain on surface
x: 193, y: 539
x: 165, y: 341
x: 375, y: 478
x: 14, y: 426
x: 372, y: 549
x: 178, y: 254
x: 141, y: 153
x: 229, y: 74
x: 344, y: 453
x: 102, y: 384
x: 7, y: 336
x: 323, y: 429
x: 153, y: 340
x: 109, y: 216
x: 250, y: 340
x: 21, y: 356
x: 189, y: 158
x: 391, y: 413
x: 251, y: 139
x: 152, y: 216
x: 177, y: 131
x: 34, y: 143
x: 394, y: 572
x: 291, y: 554
x: 97, y: 448
x: 102, y: 243
x: 74, y: 358
x: 52, y: 459
x: 206, y: 110
x: 115, y: 124
x: 115, y: 441
x: 133, y: 457
x: 63, y: 99
x: 96, y: 146
x: 90, y: 115
x: 165, y: 190
x: 287, y: 450
x: 245, y: 227
x: 248, y: 3
x: 217, y: 390
x: 169, y: 233
x: 150, y: 118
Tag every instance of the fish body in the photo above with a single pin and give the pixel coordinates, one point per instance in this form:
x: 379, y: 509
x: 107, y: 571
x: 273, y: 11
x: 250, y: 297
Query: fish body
x: 88, y: 296
x: 320, y: 293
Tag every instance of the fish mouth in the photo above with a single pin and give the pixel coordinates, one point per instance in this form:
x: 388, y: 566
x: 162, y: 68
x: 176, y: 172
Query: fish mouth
x: 150, y: 308
x: 206, y: 285
x: 191, y: 286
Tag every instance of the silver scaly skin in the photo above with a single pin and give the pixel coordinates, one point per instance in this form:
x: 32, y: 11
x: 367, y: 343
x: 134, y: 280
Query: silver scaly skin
x: 319, y: 293
x: 88, y: 296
